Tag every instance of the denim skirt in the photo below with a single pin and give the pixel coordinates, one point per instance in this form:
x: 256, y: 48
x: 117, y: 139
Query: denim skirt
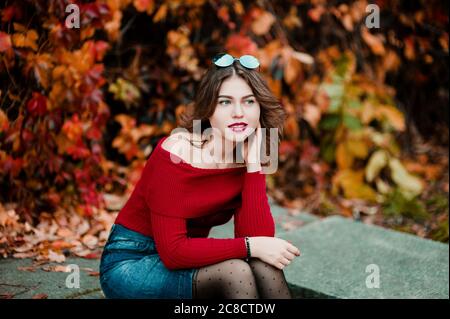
x: 130, y: 268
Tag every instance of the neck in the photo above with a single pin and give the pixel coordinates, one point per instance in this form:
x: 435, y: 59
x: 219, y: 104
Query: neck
x: 223, y: 150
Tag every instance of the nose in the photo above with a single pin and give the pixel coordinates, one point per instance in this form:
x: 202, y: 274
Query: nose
x: 237, y: 111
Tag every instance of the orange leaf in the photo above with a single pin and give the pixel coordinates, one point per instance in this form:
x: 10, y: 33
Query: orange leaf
x: 291, y: 70
x: 144, y: 5
x: 25, y: 40
x: 316, y: 13
x: 160, y: 14
x: 344, y: 158
x: 374, y: 42
x: 262, y: 24
x: 4, y: 123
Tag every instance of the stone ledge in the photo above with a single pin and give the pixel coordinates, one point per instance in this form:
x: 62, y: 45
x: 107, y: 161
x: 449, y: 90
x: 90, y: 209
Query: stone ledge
x: 336, y: 252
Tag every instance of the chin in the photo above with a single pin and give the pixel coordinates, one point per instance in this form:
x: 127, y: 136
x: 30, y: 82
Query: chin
x: 235, y: 137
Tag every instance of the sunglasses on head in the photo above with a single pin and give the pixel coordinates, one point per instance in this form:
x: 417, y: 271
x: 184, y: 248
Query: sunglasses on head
x: 225, y: 59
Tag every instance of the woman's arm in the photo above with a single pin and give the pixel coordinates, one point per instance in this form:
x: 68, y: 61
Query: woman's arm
x: 177, y: 251
x: 254, y: 217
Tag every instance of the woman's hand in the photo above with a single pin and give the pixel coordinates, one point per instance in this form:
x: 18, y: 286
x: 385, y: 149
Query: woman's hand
x: 252, y: 150
x: 274, y: 251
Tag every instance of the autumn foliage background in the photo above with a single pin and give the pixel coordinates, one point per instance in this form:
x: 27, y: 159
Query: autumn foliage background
x: 81, y: 109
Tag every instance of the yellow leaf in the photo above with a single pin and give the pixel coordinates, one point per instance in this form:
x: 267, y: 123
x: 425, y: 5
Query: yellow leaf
x: 393, y: 115
x: 410, y: 185
x: 358, y: 147
x: 377, y: 161
x: 382, y: 186
x: 353, y: 186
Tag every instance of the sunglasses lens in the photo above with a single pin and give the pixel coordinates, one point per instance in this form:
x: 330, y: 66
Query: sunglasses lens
x: 223, y: 60
x: 249, y: 61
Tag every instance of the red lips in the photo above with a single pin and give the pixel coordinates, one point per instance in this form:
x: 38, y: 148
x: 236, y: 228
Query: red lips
x: 238, y: 124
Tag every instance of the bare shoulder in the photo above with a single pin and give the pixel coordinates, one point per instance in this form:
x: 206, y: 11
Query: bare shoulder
x: 178, y: 144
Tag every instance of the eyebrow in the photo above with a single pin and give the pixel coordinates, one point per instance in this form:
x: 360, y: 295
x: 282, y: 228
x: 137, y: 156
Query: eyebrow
x: 230, y: 97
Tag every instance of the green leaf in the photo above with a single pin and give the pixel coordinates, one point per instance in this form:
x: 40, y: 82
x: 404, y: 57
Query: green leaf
x: 352, y: 122
x: 335, y: 92
x: 396, y: 204
x: 354, y: 104
x: 330, y: 122
x: 327, y: 152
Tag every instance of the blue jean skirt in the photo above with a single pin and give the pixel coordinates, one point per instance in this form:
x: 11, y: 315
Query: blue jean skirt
x: 130, y: 267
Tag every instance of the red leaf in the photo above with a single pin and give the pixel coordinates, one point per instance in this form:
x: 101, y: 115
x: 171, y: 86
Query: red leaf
x: 11, y: 12
x: 37, y: 105
x: 5, y: 42
x: 40, y: 296
x: 78, y: 151
x: 100, y: 48
x: 238, y: 45
x: 94, y: 133
x: 92, y: 256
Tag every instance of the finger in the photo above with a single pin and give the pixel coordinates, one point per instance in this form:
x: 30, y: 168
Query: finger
x: 289, y: 255
x: 280, y: 266
x: 293, y: 249
x: 285, y: 261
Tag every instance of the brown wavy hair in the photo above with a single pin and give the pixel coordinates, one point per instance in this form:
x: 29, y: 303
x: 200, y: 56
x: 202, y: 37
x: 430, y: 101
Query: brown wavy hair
x: 272, y: 114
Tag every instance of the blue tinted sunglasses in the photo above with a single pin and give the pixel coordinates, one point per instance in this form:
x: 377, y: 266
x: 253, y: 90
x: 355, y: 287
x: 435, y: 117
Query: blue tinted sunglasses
x: 225, y: 59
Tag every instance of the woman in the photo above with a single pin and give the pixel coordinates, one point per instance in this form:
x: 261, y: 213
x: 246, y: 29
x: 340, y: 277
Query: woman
x: 158, y: 246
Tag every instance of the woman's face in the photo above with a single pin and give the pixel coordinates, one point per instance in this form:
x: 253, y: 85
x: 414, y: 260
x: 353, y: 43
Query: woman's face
x: 236, y: 105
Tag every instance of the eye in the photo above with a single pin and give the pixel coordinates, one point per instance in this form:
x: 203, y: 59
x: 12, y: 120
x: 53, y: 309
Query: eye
x: 224, y: 102
x: 250, y: 101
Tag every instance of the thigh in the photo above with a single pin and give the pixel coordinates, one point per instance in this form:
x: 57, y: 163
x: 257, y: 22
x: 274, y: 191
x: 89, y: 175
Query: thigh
x: 147, y: 278
x: 230, y: 279
x: 130, y: 267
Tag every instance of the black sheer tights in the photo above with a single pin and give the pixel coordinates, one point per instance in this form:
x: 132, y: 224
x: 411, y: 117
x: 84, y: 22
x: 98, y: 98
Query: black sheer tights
x: 237, y: 279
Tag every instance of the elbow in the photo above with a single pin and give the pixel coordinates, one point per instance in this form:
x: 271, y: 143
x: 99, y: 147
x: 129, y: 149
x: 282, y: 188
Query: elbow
x: 172, y: 260
x: 170, y: 263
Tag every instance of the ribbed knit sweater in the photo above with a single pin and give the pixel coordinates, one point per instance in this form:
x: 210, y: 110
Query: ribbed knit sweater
x: 176, y: 204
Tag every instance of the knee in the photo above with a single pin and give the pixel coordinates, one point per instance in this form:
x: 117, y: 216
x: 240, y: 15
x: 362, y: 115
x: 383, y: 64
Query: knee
x: 256, y: 263
x: 239, y: 265
x: 239, y: 270
x: 258, y: 266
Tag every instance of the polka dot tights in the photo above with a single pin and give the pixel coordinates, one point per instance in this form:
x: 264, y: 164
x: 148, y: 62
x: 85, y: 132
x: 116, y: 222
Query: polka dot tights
x: 237, y: 279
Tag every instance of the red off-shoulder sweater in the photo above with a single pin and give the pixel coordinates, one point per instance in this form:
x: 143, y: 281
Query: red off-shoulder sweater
x: 176, y: 204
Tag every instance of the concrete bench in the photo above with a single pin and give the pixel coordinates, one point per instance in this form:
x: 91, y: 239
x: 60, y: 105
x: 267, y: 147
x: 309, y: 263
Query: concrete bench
x: 341, y: 258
